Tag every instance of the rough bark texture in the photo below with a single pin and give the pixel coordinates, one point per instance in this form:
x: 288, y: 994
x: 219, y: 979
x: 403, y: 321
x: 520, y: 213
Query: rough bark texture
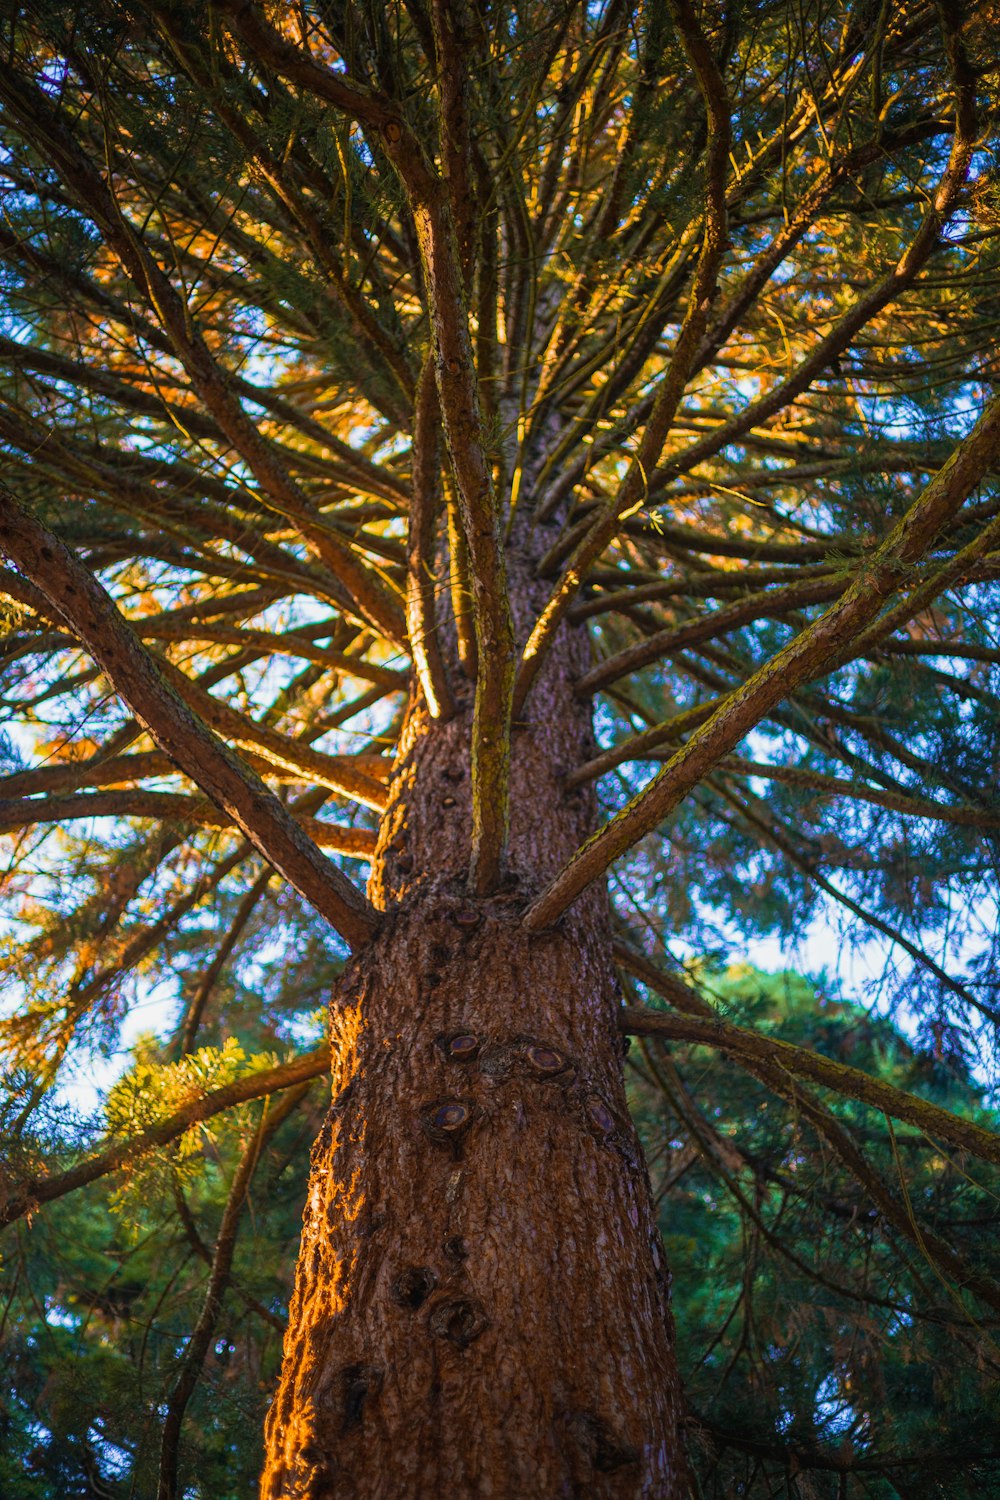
x: 481, y: 1306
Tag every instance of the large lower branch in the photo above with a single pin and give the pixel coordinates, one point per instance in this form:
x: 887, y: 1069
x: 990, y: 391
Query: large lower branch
x: 91, y: 613
x: 852, y: 1083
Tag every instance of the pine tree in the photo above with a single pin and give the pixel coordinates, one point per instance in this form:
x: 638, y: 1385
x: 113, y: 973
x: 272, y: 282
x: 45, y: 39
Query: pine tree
x: 437, y: 416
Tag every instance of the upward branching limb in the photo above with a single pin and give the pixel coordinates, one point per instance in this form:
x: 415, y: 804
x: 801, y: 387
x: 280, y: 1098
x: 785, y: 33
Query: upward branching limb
x: 479, y: 513
x: 422, y: 540
x: 455, y: 368
x: 808, y: 655
x: 674, y: 379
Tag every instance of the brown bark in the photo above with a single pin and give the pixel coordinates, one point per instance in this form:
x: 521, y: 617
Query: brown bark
x: 481, y: 1306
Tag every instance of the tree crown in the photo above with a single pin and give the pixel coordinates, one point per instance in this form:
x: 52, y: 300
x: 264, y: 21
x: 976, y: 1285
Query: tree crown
x: 322, y: 330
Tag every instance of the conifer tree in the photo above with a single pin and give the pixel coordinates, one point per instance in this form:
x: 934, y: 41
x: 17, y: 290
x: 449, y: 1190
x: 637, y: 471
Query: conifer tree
x: 494, y: 498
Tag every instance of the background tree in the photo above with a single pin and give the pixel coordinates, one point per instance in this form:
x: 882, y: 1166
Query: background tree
x: 394, y: 399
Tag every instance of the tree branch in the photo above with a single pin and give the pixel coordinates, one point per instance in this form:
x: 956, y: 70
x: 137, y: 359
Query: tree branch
x: 805, y: 657
x: 93, y: 616
x: 421, y: 610
x: 28, y: 812
x: 222, y: 1261
x: 22, y: 1198
x: 672, y: 383
x: 852, y: 1083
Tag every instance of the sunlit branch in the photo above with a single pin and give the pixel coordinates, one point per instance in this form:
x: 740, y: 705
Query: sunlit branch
x: 104, y: 769
x: 27, y: 812
x: 340, y: 773
x: 671, y: 386
x: 422, y: 542
x: 840, y: 337
x: 459, y: 586
x: 26, y: 1197
x: 287, y: 643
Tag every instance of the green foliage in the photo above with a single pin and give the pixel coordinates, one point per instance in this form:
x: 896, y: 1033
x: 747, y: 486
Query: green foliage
x: 819, y: 1349
x: 100, y: 1296
x: 150, y: 1091
x: 815, y: 1345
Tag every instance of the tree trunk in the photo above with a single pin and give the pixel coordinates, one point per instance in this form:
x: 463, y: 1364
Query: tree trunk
x: 481, y: 1306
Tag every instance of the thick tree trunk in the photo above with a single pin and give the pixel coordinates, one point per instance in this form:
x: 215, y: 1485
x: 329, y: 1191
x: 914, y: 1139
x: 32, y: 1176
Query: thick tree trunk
x: 481, y: 1306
